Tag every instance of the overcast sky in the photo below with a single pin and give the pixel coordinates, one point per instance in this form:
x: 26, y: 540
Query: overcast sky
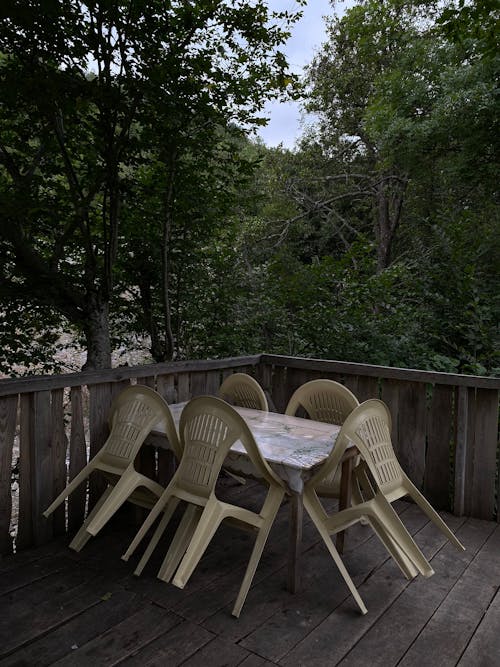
x: 307, y: 36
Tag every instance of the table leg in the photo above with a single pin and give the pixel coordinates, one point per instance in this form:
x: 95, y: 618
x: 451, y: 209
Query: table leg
x: 345, y: 497
x: 295, y: 541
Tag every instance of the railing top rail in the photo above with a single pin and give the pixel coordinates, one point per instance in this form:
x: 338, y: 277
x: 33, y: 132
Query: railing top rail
x: 409, y: 374
x: 32, y: 383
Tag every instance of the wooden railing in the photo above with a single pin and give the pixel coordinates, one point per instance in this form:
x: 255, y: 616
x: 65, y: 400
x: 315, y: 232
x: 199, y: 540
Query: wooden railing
x: 53, y: 424
x: 444, y: 428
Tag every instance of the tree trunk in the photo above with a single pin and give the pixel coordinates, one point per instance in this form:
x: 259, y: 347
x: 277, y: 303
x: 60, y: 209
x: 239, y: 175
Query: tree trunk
x: 382, y: 230
x: 390, y: 192
x: 97, y: 334
x: 167, y: 228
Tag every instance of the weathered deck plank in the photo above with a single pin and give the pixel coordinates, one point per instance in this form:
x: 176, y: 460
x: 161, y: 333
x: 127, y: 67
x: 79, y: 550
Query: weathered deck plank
x: 484, y: 648
x: 325, y: 596
x: 389, y: 638
x: 88, y: 608
x: 455, y: 621
x: 83, y: 628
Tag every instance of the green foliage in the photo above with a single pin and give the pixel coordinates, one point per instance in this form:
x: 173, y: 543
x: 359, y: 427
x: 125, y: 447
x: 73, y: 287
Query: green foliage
x: 133, y: 189
x: 474, y: 25
x: 28, y: 339
x: 93, y: 92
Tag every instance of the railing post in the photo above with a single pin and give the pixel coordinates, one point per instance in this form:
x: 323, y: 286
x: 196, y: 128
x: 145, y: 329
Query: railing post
x: 461, y: 450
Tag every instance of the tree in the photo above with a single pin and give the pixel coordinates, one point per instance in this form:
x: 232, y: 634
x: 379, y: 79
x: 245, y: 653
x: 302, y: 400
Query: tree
x: 89, y: 92
x: 209, y: 178
x: 400, y: 165
x: 375, y: 46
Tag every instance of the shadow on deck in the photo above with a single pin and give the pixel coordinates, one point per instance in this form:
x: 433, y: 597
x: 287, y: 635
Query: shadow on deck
x: 59, y: 607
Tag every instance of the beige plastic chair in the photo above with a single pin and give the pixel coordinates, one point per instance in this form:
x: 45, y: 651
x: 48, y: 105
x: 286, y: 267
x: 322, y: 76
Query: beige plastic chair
x: 243, y: 390
x: 330, y: 402
x: 133, y: 414
x: 380, y: 469
x: 208, y: 427
x: 368, y: 428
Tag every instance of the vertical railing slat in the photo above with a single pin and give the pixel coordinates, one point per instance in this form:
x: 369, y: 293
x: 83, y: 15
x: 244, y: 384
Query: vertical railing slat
x: 146, y: 458
x: 412, y: 422
x: 368, y: 387
x: 8, y: 417
x: 198, y: 383
x: 166, y: 387
x: 42, y: 465
x: 461, y: 428
x: 165, y: 457
x: 183, y: 387
x: 281, y: 392
x: 351, y: 382
x: 213, y: 382
x: 59, y: 444
x: 440, y: 430
x: 483, y: 452
x: 296, y: 377
x: 469, y: 444
x: 390, y: 396
x: 25, y: 521
x: 77, y: 460
x: 100, y: 398
x: 147, y: 381
x: 264, y: 376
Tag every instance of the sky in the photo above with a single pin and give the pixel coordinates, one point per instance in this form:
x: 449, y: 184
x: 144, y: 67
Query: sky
x: 306, y: 39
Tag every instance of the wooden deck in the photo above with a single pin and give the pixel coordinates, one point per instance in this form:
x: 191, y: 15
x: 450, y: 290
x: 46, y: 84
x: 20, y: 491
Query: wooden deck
x: 63, y: 608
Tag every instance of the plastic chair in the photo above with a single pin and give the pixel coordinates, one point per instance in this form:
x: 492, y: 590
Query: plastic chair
x: 325, y: 401
x: 380, y: 469
x: 208, y: 427
x: 368, y: 428
x: 133, y: 414
x: 243, y: 390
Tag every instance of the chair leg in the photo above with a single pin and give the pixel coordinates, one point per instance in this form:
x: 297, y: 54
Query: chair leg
x: 75, y: 482
x: 396, y: 530
x: 404, y: 563
x: 160, y: 529
x: 334, y: 554
x: 340, y: 520
x: 360, y: 481
x: 180, y: 543
x: 259, y: 545
x: 83, y: 536
x: 205, y: 530
x: 238, y: 478
x: 150, y: 519
x: 121, y: 491
x: 435, y: 518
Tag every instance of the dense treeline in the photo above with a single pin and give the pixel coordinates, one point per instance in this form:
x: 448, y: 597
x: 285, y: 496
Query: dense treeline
x: 133, y: 205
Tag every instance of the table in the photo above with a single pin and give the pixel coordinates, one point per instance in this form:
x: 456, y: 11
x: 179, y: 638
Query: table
x: 294, y: 448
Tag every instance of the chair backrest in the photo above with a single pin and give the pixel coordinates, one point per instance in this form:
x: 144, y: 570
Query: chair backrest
x: 370, y: 431
x: 133, y: 414
x: 324, y: 401
x: 208, y: 427
x: 368, y: 427
x: 243, y: 390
